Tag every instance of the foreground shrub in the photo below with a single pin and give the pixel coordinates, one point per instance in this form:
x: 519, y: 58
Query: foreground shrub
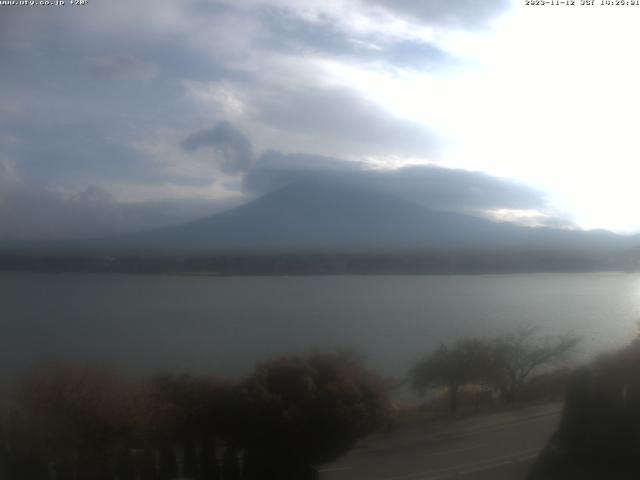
x: 69, y: 422
x: 547, y: 386
x: 175, y: 421
x: 300, y: 412
x: 599, y: 434
x: 84, y: 423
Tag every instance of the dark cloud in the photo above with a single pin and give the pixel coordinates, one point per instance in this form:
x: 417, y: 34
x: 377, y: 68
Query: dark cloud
x: 460, y: 13
x: 8, y: 174
x: 78, y: 110
x: 234, y: 151
x: 350, y: 122
x: 431, y: 186
x: 127, y: 66
x: 461, y: 190
x: 101, y: 97
x: 288, y: 32
x: 67, y: 149
x: 93, y: 195
x: 31, y: 213
x: 273, y: 170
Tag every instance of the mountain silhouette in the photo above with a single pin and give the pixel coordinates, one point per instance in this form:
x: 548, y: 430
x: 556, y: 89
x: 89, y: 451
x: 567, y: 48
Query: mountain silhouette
x: 335, y: 217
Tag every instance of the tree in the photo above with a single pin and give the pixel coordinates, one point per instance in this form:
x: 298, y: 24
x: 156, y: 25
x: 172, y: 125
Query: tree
x: 74, y: 419
x: 520, y: 354
x: 465, y: 361
x: 176, y: 417
x: 296, y: 412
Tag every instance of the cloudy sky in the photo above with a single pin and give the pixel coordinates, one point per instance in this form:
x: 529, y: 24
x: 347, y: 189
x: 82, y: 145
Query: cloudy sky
x: 125, y: 115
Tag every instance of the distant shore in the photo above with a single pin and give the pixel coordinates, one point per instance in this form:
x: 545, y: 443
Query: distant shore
x: 232, y: 264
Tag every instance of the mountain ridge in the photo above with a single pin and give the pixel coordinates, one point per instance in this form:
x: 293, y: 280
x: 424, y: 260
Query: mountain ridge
x: 319, y: 217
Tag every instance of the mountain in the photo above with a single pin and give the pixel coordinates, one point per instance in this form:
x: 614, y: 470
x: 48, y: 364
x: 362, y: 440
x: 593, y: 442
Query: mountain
x: 321, y: 217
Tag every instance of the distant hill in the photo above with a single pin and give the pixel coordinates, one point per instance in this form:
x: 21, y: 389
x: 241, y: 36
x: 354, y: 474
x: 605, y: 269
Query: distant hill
x: 335, y: 227
x: 324, y: 217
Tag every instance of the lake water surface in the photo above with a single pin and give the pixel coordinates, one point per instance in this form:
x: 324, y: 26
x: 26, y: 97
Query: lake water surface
x: 224, y: 325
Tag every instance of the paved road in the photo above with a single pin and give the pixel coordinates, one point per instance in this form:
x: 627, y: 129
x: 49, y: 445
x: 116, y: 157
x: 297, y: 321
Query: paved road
x: 495, y: 446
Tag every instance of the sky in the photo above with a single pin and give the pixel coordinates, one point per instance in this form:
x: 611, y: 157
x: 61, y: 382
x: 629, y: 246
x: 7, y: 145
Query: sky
x: 118, y: 116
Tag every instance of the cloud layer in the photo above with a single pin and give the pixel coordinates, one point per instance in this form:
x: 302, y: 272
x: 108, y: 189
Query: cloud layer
x: 28, y: 211
x: 232, y: 149
x: 460, y: 13
x: 122, y: 110
x: 428, y: 185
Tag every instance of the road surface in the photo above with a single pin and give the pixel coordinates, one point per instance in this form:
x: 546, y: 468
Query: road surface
x: 498, y: 446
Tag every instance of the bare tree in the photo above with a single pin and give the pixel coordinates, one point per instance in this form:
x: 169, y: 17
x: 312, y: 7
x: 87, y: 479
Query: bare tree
x: 520, y: 354
x: 465, y: 361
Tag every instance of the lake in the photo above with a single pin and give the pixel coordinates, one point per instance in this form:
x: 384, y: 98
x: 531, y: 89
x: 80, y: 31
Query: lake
x: 224, y: 325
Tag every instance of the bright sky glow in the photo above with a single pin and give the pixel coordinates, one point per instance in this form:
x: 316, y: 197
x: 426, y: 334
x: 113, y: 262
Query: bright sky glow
x: 549, y: 96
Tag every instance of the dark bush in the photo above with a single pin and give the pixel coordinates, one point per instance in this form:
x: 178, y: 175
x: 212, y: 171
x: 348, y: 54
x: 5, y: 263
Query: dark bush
x: 547, y: 386
x: 178, y: 420
x: 70, y: 422
x: 299, y: 412
x: 599, y: 434
x: 82, y: 423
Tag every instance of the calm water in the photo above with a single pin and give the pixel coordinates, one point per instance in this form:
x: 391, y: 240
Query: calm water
x: 225, y: 325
